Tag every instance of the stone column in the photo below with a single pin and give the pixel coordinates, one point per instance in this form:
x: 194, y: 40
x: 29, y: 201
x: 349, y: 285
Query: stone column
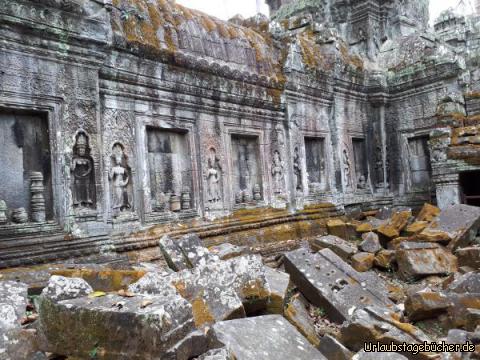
x: 37, y: 201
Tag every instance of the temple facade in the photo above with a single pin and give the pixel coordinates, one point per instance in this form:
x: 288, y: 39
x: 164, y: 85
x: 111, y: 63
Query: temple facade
x: 120, y: 115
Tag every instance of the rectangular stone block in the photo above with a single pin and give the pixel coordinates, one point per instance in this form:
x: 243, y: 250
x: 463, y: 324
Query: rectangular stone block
x: 264, y: 337
x: 329, y: 282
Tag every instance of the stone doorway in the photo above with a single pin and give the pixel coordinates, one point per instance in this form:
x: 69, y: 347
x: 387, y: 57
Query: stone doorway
x: 24, y: 149
x: 419, y: 161
x: 316, y: 164
x: 469, y: 187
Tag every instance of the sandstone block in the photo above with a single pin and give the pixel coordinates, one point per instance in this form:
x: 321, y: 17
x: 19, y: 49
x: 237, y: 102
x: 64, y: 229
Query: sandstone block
x: 278, y: 282
x: 363, y: 261
x: 341, y: 247
x: 114, y: 327
x: 338, y: 228
x: 227, y: 251
x: 370, y: 243
x: 364, y: 227
x: 465, y: 283
x: 297, y: 313
x: 62, y: 288
x: 426, y: 304
x: 333, y: 349
x: 416, y: 260
x: 330, y: 283
x: 469, y: 256
x: 385, y: 259
x: 428, y: 213
x: 416, y: 227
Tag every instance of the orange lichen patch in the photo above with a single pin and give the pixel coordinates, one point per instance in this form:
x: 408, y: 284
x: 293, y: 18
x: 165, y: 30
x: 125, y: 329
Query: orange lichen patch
x: 255, y: 290
x: 364, y: 227
x: 311, y: 52
x: 433, y: 235
x: 428, y: 213
x: 472, y: 95
x: 388, y: 231
x: 103, y: 280
x: 181, y: 288
x: 201, y: 312
x: 416, y: 227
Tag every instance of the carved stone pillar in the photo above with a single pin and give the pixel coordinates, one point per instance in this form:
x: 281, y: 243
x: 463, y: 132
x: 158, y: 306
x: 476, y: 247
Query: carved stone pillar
x: 37, y: 201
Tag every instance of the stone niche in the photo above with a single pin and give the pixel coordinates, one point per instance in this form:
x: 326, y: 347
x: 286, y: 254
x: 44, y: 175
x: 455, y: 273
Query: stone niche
x: 316, y: 164
x: 246, y: 169
x: 26, y: 167
x: 170, y: 170
x: 360, y: 161
x: 419, y: 160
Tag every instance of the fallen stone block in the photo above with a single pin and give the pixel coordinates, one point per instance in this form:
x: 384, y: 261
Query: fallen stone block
x: 63, y: 288
x: 267, y: 337
x: 364, y: 227
x: 461, y: 223
x: 416, y: 227
x: 428, y: 213
x: 297, y: 313
x: 370, y: 243
x: 385, y: 259
x: 426, y: 304
x: 330, y: 283
x: 376, y: 325
x: 114, y: 327
x: 338, y: 228
x: 363, y: 261
x: 217, y: 290
x: 193, y: 250
x: 472, y: 319
x: 433, y: 235
x: 278, y: 282
x: 227, y: 251
x: 173, y: 254
x: 333, y: 349
x: 469, y: 256
x: 194, y: 344
x: 341, y: 247
x: 416, y: 260
x: 461, y: 308
x: 395, y: 224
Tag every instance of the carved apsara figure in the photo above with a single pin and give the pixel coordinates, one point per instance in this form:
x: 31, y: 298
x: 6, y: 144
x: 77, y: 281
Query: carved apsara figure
x: 214, y: 174
x: 83, y: 173
x: 277, y: 172
x: 120, y: 178
x: 347, y: 169
x: 297, y: 170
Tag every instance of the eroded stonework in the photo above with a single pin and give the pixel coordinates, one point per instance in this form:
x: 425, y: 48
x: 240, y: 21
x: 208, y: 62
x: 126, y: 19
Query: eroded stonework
x: 117, y: 115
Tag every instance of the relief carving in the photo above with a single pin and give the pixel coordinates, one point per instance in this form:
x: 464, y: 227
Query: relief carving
x: 347, y: 169
x: 120, y: 177
x: 297, y: 169
x: 214, y: 175
x: 277, y: 173
x: 83, y: 189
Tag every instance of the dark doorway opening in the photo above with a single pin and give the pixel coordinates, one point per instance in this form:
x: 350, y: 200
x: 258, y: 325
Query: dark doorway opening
x: 470, y: 187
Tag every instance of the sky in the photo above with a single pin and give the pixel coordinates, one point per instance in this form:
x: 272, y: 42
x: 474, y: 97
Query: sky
x: 226, y: 9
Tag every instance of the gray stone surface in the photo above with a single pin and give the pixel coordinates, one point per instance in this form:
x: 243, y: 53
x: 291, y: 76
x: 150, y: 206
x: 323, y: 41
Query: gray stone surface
x: 278, y: 282
x: 116, y: 326
x: 469, y: 256
x: 297, y: 314
x: 416, y: 260
x: 328, y: 282
x: 342, y: 248
x: 227, y: 251
x: 62, y: 288
x: 269, y: 337
x: 465, y: 283
x: 370, y: 243
x: 333, y: 349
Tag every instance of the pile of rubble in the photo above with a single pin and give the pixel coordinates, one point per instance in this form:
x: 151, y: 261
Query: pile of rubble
x: 405, y: 278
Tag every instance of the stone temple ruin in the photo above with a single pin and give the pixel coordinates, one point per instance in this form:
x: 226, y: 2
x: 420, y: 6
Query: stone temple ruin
x: 153, y: 155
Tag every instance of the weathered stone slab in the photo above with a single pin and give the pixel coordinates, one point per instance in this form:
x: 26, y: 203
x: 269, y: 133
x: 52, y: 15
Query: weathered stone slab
x: 334, y: 349
x: 114, y: 327
x: 342, y: 248
x: 297, y: 313
x: 461, y: 222
x: 63, y: 288
x: 416, y: 227
x: 267, y: 337
x: 428, y: 213
x: 465, y: 283
x: 227, y: 251
x: 328, y: 282
x: 193, y: 250
x: 278, y: 282
x: 426, y: 304
x: 461, y: 309
x: 217, y: 354
x: 395, y: 224
x: 337, y: 227
x: 417, y: 260
x: 173, y: 254
x: 385, y: 259
x: 373, y: 324
x: 370, y: 243
x: 217, y: 290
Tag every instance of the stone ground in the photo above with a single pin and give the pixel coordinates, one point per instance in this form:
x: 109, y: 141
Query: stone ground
x: 382, y: 276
